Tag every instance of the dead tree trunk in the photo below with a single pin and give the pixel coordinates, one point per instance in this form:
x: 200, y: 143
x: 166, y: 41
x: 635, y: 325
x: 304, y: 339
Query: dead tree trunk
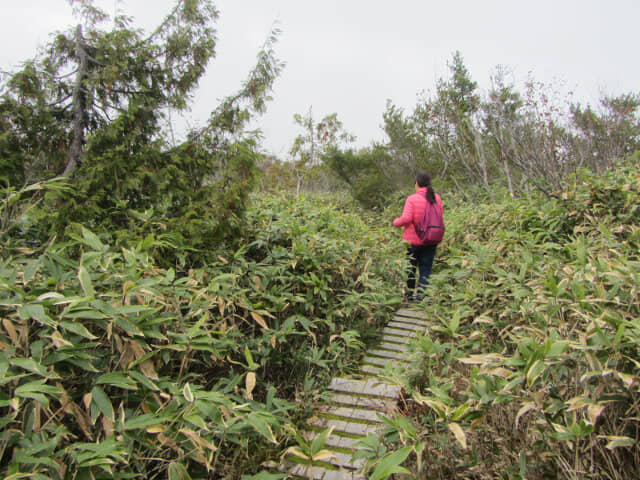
x: 79, y: 106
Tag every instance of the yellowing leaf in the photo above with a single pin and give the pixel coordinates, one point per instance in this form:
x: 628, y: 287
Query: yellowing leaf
x: 499, y: 372
x: 250, y: 383
x: 85, y: 281
x: 59, y: 341
x: 527, y: 407
x: 156, y: 429
x: 188, y: 394
x: 459, y: 434
x: 177, y: 471
x: 323, y: 455
x: 536, y: 369
x: 148, y: 370
x: 615, y: 442
x: 481, y: 359
x: 594, y: 411
x: 295, y: 451
x: 11, y: 331
x: 259, y: 320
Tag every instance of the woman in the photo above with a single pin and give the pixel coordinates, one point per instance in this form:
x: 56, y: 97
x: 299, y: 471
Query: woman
x: 419, y: 255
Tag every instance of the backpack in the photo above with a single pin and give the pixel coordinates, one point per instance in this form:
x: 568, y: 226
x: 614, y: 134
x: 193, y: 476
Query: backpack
x: 430, y: 229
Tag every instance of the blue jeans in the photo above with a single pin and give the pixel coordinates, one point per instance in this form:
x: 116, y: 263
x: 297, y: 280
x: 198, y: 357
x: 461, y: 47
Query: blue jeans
x: 420, y: 256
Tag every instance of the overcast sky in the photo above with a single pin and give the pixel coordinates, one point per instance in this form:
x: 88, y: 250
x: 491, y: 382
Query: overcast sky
x: 350, y: 56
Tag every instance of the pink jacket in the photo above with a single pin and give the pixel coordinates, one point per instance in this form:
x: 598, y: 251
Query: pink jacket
x: 412, y: 213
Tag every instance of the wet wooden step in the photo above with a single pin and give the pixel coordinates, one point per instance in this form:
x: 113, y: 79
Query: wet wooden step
x: 384, y: 405
x: 405, y: 312
x: 412, y: 321
x: 396, y: 339
x: 381, y: 362
x: 396, y: 347
x: 387, y: 354
x: 398, y: 332
x: 342, y: 426
x: 370, y: 386
x: 352, y: 413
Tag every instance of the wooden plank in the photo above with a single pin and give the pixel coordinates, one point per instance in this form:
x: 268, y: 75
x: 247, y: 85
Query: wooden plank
x: 370, y: 386
x: 405, y: 312
x: 410, y: 327
x: 343, y: 475
x: 343, y: 461
x: 361, y: 429
x: 351, y: 413
x: 396, y: 347
x: 371, y: 369
x: 332, y: 440
x: 396, y: 339
x: 381, y: 362
x: 412, y: 321
x: 387, y: 354
x: 380, y: 404
x: 306, y: 471
x: 399, y: 333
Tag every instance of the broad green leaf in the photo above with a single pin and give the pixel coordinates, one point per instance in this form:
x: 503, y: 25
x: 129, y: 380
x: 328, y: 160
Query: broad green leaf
x: 297, y: 452
x: 117, y: 379
x: 30, y: 270
x: 85, y: 281
x: 127, y: 326
x: 250, y: 363
x: 197, y: 420
x: 390, y: 464
x: 143, y: 380
x: 318, y: 443
x: 84, y: 314
x: 143, y: 421
x: 100, y: 399
x: 261, y: 426
x: 92, y: 240
x: 31, y: 365
x: 35, y: 311
x: 37, y: 390
x: 78, y: 329
x: 177, y: 471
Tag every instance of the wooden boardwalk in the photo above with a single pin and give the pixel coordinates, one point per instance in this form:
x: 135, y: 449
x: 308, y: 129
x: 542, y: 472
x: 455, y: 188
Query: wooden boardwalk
x: 355, y: 402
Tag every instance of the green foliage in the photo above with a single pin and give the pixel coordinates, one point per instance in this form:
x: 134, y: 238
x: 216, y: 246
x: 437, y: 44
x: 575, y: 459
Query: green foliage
x: 130, y: 183
x: 532, y: 367
x: 367, y: 173
x: 112, y: 364
x: 121, y: 72
x: 508, y: 138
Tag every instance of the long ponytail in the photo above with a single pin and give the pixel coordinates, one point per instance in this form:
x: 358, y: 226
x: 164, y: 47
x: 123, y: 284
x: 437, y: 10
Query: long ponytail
x: 424, y: 180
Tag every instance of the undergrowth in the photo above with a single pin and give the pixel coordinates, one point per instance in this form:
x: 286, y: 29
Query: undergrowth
x: 532, y: 369
x: 114, y: 365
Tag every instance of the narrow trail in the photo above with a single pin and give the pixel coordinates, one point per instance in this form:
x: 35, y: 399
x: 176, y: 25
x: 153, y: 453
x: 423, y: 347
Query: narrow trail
x: 354, y: 403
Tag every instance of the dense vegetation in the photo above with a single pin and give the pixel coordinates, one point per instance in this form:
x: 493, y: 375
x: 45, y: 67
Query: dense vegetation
x: 172, y: 309
x: 112, y: 363
x: 532, y: 369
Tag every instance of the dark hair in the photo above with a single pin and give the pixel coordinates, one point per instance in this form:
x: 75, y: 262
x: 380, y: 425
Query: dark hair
x: 423, y: 179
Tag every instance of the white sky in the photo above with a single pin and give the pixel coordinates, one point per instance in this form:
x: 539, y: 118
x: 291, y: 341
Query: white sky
x: 350, y: 56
